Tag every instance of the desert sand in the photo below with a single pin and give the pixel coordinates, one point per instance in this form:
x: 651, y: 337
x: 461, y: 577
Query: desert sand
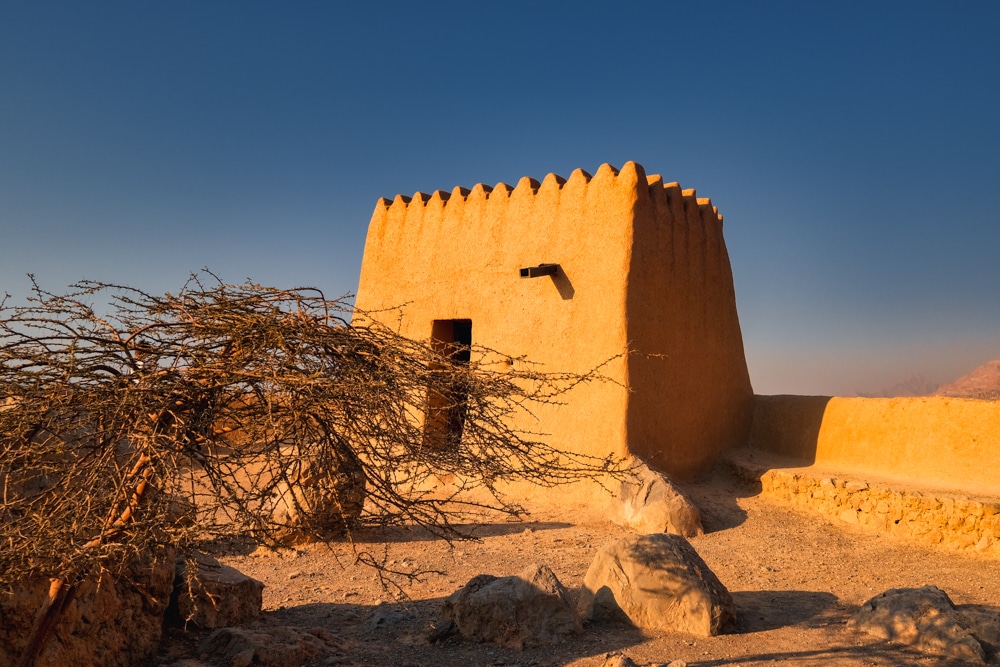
x: 796, y: 577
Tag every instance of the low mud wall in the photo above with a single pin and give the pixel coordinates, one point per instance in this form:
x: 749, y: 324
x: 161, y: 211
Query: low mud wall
x: 927, y: 442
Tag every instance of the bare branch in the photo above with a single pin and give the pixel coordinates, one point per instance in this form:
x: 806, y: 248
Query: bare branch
x: 226, y: 410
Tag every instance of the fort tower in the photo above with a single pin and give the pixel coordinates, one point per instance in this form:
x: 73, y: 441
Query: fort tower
x: 641, y: 265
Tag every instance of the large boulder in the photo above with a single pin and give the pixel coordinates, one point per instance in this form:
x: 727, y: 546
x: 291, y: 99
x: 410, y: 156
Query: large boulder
x: 531, y: 609
x: 108, y: 621
x: 656, y: 582
x: 923, y: 618
x: 209, y: 594
x: 647, y: 502
x: 318, y: 498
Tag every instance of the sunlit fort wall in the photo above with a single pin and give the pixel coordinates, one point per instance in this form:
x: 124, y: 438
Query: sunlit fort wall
x: 642, y: 279
x: 935, y: 442
x: 619, y: 269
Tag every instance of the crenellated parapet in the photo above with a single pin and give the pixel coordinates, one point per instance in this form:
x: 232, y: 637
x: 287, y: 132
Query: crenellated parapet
x: 643, y: 279
x: 669, y: 198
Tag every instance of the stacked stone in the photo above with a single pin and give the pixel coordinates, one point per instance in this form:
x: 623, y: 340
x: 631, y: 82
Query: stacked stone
x: 953, y: 521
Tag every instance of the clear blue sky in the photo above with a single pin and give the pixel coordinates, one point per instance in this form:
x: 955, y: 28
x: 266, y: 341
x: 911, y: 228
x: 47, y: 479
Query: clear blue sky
x: 852, y: 147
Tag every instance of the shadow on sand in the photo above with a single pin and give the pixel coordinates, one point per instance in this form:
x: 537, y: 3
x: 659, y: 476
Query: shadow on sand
x: 398, y: 634
x: 242, y: 546
x: 715, y: 497
x: 397, y: 534
x: 876, y: 653
x: 756, y: 610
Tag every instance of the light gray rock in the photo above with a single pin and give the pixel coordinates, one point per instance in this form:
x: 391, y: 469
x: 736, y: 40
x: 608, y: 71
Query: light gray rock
x: 656, y: 582
x: 531, y: 609
x: 275, y: 647
x: 647, y: 502
x: 212, y: 595
x: 923, y: 618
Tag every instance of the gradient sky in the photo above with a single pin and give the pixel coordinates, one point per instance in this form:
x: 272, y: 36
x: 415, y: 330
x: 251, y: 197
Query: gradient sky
x: 853, y: 148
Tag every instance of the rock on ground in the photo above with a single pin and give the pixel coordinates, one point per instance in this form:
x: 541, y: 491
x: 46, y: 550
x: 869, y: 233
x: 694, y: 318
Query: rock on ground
x: 320, y: 499
x: 110, y: 621
x: 647, y: 502
x: 212, y: 595
x: 923, y: 618
x: 275, y: 647
x: 656, y: 582
x: 530, y: 609
x: 621, y: 660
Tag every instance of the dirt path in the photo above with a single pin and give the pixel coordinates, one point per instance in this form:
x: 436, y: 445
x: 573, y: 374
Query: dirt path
x: 795, y: 579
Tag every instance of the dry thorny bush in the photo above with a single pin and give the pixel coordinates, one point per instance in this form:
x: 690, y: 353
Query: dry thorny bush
x: 187, y: 417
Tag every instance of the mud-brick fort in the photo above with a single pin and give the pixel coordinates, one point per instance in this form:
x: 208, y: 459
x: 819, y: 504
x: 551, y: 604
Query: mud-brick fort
x: 570, y: 273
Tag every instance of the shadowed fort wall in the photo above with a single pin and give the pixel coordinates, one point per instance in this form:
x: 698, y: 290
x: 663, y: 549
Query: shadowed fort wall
x: 643, y: 267
x: 930, y: 442
x: 691, y: 396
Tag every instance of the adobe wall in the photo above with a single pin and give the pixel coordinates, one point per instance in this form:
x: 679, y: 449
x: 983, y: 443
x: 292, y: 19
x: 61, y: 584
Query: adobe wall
x: 456, y: 255
x: 691, y: 396
x: 930, y: 442
x: 643, y: 268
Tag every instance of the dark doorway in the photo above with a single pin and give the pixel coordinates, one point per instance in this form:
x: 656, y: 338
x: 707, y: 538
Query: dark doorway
x: 447, y: 402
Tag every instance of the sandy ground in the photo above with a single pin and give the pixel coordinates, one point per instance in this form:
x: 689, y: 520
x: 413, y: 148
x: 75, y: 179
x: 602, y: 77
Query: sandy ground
x: 795, y: 578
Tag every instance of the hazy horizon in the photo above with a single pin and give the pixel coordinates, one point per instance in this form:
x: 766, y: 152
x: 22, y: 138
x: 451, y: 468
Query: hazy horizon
x: 852, y: 149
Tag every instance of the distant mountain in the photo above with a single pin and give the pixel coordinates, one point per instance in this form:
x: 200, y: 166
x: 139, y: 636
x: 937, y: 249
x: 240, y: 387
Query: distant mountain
x: 984, y: 382
x: 914, y: 385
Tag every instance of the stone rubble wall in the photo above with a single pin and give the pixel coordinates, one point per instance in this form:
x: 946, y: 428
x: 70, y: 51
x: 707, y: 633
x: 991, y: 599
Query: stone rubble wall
x: 950, y: 520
